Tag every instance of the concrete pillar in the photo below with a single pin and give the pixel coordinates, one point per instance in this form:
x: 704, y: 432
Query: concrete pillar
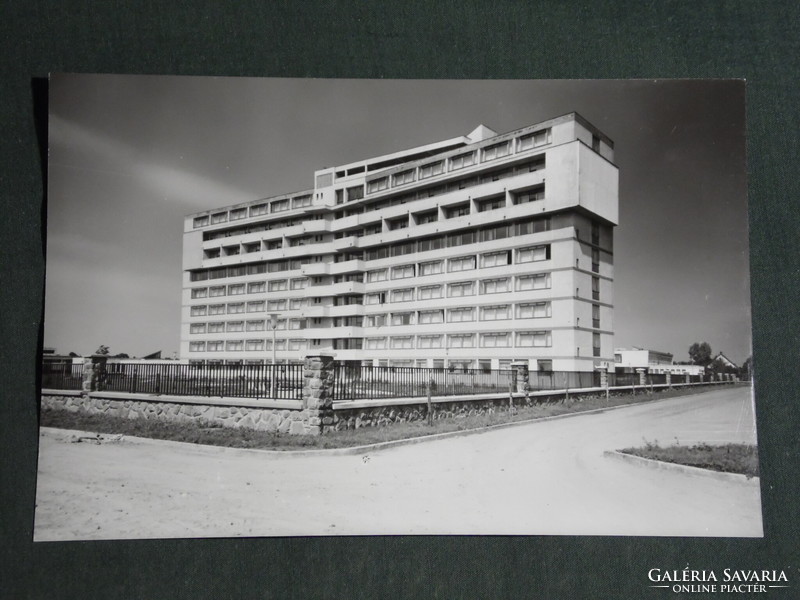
x: 603, y: 370
x: 521, y: 373
x: 669, y: 379
x: 318, y: 379
x: 88, y: 375
x: 99, y: 363
x: 686, y: 378
x: 641, y: 372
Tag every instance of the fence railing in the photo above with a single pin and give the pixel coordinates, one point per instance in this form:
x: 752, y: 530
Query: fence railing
x: 280, y: 382
x: 375, y: 383
x: 62, y: 376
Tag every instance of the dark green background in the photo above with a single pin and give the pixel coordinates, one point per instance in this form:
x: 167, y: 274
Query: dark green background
x: 753, y: 40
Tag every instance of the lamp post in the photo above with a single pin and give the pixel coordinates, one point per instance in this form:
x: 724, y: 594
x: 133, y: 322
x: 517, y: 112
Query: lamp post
x: 273, y: 323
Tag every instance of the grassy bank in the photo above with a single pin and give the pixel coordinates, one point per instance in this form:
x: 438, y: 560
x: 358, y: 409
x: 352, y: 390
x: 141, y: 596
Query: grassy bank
x: 215, y: 435
x: 728, y: 458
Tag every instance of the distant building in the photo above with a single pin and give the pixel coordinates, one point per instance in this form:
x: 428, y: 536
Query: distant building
x: 628, y: 360
x: 474, y: 251
x: 724, y: 361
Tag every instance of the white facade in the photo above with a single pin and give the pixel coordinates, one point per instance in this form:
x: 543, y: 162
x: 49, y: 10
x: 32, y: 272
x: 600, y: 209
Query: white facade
x: 478, y: 251
x: 652, y: 360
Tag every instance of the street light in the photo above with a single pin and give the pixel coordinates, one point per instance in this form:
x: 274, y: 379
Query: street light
x: 273, y: 323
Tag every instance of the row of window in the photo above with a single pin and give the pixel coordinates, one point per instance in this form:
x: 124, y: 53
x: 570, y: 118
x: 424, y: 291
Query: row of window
x: 461, y: 161
x: 247, y: 345
x: 254, y: 287
x: 538, y: 281
x: 502, y: 339
x: 255, y: 210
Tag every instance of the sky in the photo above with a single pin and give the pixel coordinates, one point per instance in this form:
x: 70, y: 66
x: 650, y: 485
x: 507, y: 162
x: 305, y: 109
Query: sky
x: 131, y: 155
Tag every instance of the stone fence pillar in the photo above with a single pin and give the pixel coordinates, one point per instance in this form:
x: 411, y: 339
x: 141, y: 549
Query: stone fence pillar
x: 94, y: 373
x: 641, y: 372
x: 669, y: 379
x: 522, y: 375
x: 318, y: 378
x: 603, y: 370
x: 686, y: 378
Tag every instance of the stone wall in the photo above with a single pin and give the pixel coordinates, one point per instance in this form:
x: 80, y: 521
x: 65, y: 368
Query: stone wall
x: 280, y: 420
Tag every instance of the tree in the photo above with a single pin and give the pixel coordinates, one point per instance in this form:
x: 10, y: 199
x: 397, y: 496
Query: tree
x: 747, y: 368
x: 700, y: 353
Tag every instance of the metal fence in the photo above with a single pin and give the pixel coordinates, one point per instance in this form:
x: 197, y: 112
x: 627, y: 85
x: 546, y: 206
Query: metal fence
x: 372, y: 383
x: 281, y: 382
x: 559, y: 380
x: 62, y: 375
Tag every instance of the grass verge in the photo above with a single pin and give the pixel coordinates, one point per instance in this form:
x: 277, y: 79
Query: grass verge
x: 216, y: 435
x: 727, y: 458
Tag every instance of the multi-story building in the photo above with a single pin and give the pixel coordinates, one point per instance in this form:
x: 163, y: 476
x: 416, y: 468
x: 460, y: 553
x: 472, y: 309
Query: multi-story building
x: 475, y: 251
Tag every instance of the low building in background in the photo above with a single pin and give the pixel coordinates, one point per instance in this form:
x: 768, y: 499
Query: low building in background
x: 656, y: 362
x: 477, y: 251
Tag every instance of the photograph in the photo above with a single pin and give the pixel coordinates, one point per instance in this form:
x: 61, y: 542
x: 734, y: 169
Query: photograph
x: 369, y: 307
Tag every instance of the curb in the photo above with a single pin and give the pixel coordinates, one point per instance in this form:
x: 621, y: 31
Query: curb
x: 355, y: 449
x: 685, y: 469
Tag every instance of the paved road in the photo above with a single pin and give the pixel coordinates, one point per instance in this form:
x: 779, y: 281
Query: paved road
x: 541, y: 478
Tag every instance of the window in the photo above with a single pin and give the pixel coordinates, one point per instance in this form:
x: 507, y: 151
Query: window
x: 355, y: 193
x: 379, y: 275
x: 533, y: 254
x: 236, y: 290
x: 257, y: 306
x: 595, y: 260
x: 398, y: 223
x: 432, y: 243
x: 259, y: 209
x: 274, y: 305
x: 254, y: 345
x: 219, y: 218
x: 277, y: 286
x: 216, y: 327
x: 463, y: 288
x: 431, y: 316
x: 459, y: 210
x: 463, y: 263
x: 596, y: 143
x: 256, y: 269
x: 217, y: 291
x: 198, y: 311
x: 297, y: 323
x: 403, y: 342
x: 256, y: 287
x: 534, y: 140
x: 540, y: 281
x: 378, y: 343
x: 236, y: 308
x: 595, y: 233
x: 545, y: 365
x: 532, y: 226
x: 403, y: 271
x: 491, y: 203
x: 495, y: 340
x: 430, y: 216
x: 595, y: 344
x: 405, y: 295
x: 279, y: 205
x: 197, y: 346
x: 403, y: 177
x: 376, y: 185
x: 533, y: 310
x: 197, y: 328
x: 595, y: 316
x: 536, y: 339
x: 200, y: 222
x: 496, y: 286
x: 460, y: 315
x: 238, y: 213
x: 234, y: 346
x: 461, y: 239
x: 296, y: 303
x: 235, y: 326
x: 299, y: 284
x: 216, y: 309
x: 495, y: 313
x: 462, y: 340
x: 462, y: 160
x: 215, y: 346
x: 431, y: 169
x: 255, y: 326
x: 402, y: 319
x: 429, y: 291
x: 199, y: 293
x: 379, y: 298
x: 429, y: 341
x: 496, y: 259
x: 531, y: 195
x: 297, y: 344
x: 301, y: 201
x: 374, y: 320
x: 497, y: 150
x: 595, y: 288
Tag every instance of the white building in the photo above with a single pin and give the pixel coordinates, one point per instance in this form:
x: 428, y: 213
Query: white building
x: 628, y: 360
x: 476, y: 251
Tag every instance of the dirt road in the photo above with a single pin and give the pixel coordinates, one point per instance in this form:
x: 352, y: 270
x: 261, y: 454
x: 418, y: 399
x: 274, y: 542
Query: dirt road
x: 540, y: 478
